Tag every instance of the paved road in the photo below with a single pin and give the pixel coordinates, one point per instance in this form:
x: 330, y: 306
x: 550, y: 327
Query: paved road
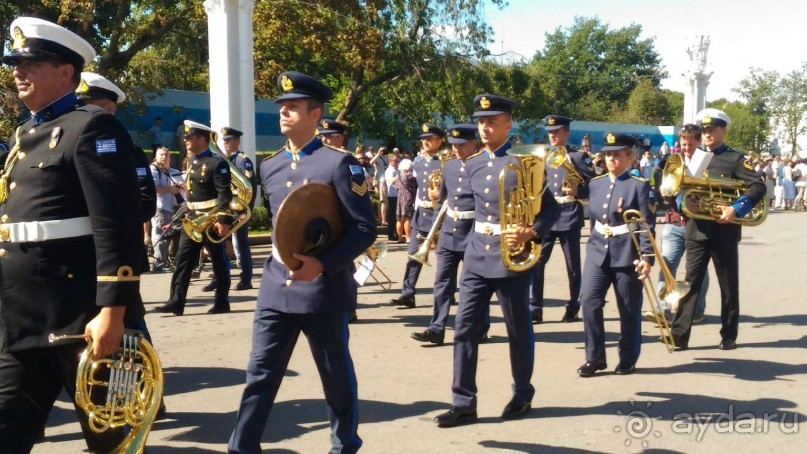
x: 703, y: 399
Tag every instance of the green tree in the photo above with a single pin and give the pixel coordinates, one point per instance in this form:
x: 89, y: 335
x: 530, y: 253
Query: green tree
x: 648, y: 105
x: 757, y: 90
x: 744, y: 132
x: 588, y: 71
x: 371, y: 48
x: 790, y: 106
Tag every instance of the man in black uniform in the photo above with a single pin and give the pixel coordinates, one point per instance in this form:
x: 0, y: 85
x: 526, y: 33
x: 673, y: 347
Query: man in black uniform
x: 232, y: 143
x: 717, y: 239
x: 70, y: 234
x: 209, y: 190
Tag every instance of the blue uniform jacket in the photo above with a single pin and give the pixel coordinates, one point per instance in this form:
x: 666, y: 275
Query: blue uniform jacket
x: 483, y: 255
x: 422, y: 170
x: 608, y: 200
x: 333, y: 290
x: 571, y: 214
x: 244, y: 165
x: 456, y: 191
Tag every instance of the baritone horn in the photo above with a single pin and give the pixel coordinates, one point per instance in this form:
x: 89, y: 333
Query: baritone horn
x: 713, y: 194
x: 673, y: 291
x: 204, y: 225
x: 559, y: 157
x: 521, y: 204
x: 122, y: 390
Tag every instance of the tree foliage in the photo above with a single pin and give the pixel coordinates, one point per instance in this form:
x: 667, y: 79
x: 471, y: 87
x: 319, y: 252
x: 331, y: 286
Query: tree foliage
x: 588, y: 71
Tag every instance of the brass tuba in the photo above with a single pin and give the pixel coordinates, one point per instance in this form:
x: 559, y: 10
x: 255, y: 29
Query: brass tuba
x: 203, y: 225
x: 673, y: 291
x: 521, y: 204
x: 712, y: 192
x: 559, y: 157
x: 133, y: 379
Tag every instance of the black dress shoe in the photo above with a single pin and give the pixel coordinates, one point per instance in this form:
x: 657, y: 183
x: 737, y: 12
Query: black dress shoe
x: 353, y: 317
x: 219, y: 309
x: 169, y: 309
x: 209, y: 288
x: 727, y: 344
x: 243, y: 286
x: 590, y: 368
x: 537, y: 316
x: 516, y: 409
x: 429, y: 336
x: 570, y: 316
x: 406, y: 301
x: 456, y: 416
x: 679, y: 344
x: 622, y: 369
x: 483, y: 337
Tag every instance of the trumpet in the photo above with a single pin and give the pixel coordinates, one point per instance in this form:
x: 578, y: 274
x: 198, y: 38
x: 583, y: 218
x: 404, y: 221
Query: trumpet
x: 559, y: 157
x: 203, y: 226
x: 376, y: 252
x: 713, y: 193
x: 133, y: 379
x: 521, y: 204
x: 673, y: 291
x: 422, y: 254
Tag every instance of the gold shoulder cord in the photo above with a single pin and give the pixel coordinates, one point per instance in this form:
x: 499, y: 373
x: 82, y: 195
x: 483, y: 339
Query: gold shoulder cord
x: 11, y: 161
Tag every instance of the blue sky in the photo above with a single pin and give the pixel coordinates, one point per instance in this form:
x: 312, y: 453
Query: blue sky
x: 743, y: 33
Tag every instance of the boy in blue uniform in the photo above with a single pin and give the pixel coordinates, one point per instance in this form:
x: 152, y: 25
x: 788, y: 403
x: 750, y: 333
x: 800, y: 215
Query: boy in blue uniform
x: 317, y: 298
x: 425, y: 211
x: 570, y: 223
x: 458, y: 223
x: 611, y: 257
x: 484, y: 271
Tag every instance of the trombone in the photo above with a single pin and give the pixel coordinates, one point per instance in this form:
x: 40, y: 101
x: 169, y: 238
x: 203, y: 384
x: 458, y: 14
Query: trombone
x: 376, y: 252
x: 673, y: 291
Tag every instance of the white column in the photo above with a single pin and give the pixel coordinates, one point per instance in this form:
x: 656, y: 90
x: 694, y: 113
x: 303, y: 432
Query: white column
x: 246, y: 71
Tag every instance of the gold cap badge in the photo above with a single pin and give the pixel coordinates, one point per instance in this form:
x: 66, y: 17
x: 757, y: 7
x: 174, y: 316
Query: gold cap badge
x: 706, y: 120
x: 611, y: 139
x: 83, y: 87
x: 224, y: 131
x: 455, y: 132
x: 187, y: 128
x: 425, y: 128
x: 551, y: 121
x: 286, y: 83
x: 484, y: 102
x: 324, y: 124
x: 19, y: 39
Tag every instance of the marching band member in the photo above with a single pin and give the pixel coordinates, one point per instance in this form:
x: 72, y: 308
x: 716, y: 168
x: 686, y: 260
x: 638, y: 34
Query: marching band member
x: 208, y: 187
x: 717, y: 239
x: 485, y: 273
x: 317, y: 298
x: 425, y: 211
x: 71, y: 235
x: 570, y: 224
x: 612, y: 259
x: 454, y: 231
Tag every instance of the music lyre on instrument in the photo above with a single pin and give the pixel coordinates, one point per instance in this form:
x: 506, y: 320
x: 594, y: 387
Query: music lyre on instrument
x: 133, y: 379
x: 673, y: 291
x: 521, y: 204
x: 714, y: 193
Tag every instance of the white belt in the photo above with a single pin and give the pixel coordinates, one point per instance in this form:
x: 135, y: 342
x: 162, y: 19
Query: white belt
x: 609, y: 231
x: 457, y: 215
x: 203, y: 205
x: 487, y: 228
x: 424, y: 204
x: 276, y: 256
x: 565, y: 199
x: 30, y: 232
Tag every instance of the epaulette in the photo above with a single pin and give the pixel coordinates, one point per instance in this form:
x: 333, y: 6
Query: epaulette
x: 475, y: 154
x: 90, y: 108
x: 599, y: 176
x: 638, y: 178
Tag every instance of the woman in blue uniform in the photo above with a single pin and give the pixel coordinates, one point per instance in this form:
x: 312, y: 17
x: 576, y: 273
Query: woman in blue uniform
x: 612, y: 259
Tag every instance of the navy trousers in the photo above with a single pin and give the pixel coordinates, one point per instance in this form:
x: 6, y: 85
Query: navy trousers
x: 412, y: 267
x: 628, y: 290
x: 274, y: 335
x: 513, y: 294
x: 570, y: 243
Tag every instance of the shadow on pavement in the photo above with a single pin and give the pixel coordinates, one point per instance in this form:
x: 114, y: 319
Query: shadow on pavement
x: 528, y: 447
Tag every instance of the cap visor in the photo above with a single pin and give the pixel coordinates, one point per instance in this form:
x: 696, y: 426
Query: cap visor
x: 427, y: 134
x: 292, y: 96
x: 325, y: 132
x: 613, y: 147
x: 457, y: 140
x: 552, y: 128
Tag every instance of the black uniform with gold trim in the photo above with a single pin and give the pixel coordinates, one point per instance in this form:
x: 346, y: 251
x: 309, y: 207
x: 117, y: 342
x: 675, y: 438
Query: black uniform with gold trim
x: 208, y: 187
